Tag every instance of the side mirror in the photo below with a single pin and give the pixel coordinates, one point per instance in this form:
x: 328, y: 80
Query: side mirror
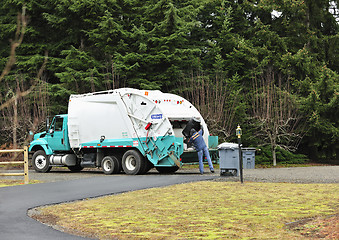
x: 51, y: 131
x: 47, y: 122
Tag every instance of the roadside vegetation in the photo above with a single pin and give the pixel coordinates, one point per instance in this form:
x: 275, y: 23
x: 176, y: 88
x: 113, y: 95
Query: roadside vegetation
x: 9, y: 183
x: 204, y: 210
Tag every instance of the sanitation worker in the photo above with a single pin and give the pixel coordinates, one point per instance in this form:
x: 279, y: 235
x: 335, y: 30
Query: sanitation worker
x: 201, y: 148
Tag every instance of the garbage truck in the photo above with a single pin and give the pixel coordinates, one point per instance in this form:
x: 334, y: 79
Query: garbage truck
x: 117, y: 130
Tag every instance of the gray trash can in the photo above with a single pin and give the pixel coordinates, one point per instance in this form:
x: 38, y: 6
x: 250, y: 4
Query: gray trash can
x: 248, y: 158
x: 229, y: 159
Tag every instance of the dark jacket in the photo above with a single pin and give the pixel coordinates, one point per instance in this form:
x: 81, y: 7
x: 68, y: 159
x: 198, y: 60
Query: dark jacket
x: 197, y: 139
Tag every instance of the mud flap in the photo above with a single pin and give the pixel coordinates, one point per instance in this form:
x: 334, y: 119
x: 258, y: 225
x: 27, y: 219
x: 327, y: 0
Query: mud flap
x: 174, y: 158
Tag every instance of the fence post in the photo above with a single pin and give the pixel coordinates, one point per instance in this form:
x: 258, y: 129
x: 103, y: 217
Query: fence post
x: 26, y: 164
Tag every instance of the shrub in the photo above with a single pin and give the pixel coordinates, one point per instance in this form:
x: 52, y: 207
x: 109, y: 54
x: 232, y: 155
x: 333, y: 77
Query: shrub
x: 264, y: 156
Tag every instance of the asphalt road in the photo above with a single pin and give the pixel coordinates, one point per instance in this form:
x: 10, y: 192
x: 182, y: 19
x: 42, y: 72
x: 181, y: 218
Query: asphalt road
x: 63, y: 186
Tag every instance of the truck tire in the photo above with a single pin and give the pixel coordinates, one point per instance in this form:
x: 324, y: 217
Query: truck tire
x: 133, y: 163
x: 167, y: 169
x: 40, y: 162
x: 76, y: 168
x: 110, y: 165
x: 148, y: 166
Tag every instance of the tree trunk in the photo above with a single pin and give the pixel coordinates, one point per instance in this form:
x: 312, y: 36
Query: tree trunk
x: 15, y: 122
x: 308, y: 24
x: 274, y: 142
x: 274, y: 156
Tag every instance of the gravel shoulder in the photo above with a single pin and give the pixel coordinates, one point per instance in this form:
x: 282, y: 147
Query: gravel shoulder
x: 315, y: 174
x: 318, y: 174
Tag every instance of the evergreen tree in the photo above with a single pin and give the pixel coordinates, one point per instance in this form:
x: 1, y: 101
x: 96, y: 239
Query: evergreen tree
x: 223, y: 46
x: 322, y: 110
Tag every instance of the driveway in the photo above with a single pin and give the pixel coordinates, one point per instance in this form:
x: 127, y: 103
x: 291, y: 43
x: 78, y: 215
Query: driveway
x: 63, y: 186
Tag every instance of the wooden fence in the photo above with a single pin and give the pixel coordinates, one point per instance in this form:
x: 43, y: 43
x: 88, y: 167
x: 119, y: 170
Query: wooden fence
x: 25, y: 162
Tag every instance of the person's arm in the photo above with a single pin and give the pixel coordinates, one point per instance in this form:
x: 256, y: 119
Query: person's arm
x: 189, y: 139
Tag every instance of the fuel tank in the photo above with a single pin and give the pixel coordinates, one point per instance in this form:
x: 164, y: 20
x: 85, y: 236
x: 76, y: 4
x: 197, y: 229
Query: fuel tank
x: 66, y: 159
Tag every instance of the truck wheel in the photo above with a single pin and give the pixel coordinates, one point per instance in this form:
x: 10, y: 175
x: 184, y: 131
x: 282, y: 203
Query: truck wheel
x: 133, y: 162
x: 110, y: 164
x: 167, y: 169
x: 76, y: 168
x: 40, y: 162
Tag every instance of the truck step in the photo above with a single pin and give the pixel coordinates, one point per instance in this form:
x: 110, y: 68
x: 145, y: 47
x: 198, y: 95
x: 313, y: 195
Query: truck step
x: 89, y: 164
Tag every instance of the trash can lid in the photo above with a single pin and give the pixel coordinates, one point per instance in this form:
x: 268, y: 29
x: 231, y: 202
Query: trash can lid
x: 249, y: 149
x: 227, y: 145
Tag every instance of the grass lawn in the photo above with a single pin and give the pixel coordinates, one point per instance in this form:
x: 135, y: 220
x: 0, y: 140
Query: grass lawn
x: 8, y: 183
x: 200, y: 210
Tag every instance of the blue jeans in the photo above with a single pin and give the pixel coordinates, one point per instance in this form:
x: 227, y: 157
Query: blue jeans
x: 205, y: 152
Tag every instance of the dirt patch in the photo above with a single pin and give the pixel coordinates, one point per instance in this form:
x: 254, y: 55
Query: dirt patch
x: 47, y: 219
x: 51, y: 221
x: 317, y: 228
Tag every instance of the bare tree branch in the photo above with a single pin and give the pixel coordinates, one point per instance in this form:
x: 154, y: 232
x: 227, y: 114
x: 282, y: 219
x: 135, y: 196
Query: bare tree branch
x: 213, y: 100
x: 16, y: 111
x: 20, y: 94
x: 19, y: 36
x: 277, y: 121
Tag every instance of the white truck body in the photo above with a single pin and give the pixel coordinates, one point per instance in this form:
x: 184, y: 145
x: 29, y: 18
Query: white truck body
x: 123, y: 113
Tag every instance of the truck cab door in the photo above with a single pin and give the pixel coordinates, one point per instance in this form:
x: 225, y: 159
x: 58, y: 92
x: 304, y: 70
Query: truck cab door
x: 56, y: 134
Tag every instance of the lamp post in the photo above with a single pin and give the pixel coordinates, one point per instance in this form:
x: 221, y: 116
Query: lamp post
x: 239, y: 133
